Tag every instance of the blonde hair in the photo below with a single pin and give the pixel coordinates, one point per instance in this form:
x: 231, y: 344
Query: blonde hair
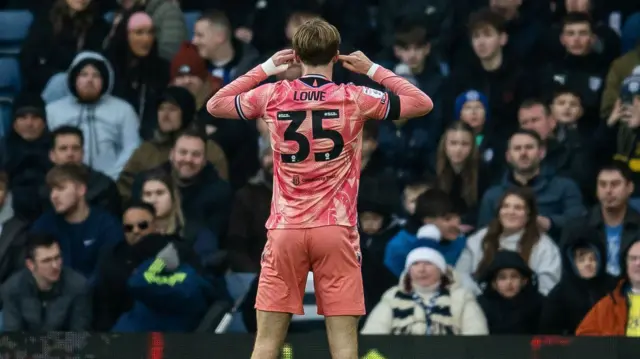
x: 316, y: 42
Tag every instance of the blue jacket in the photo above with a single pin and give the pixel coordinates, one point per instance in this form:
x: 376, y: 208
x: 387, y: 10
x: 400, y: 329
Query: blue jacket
x: 557, y: 198
x: 165, y: 301
x: 404, y: 242
x: 82, y: 243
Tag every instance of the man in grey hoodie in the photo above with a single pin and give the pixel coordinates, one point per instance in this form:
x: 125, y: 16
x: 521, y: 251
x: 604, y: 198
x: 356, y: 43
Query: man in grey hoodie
x: 109, y: 124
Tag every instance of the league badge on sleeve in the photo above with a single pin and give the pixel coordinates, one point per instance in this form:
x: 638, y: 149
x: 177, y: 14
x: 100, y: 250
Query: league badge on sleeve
x: 373, y: 93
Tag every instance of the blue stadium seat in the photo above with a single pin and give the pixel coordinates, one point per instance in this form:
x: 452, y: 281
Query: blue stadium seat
x: 190, y: 18
x: 630, y: 36
x: 238, y: 284
x: 5, y: 115
x: 108, y: 17
x: 9, y: 77
x: 14, y: 26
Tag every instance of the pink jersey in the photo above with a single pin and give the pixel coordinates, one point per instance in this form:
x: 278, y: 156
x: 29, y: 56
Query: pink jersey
x: 316, y: 136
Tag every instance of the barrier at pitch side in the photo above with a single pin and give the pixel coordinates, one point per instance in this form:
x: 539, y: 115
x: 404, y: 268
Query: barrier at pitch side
x: 311, y: 346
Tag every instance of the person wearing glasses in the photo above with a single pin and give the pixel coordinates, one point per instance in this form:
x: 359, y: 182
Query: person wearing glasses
x: 117, y: 264
x: 45, y: 295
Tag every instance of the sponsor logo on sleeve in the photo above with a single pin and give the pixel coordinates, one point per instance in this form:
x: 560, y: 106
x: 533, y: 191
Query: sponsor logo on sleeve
x: 373, y: 93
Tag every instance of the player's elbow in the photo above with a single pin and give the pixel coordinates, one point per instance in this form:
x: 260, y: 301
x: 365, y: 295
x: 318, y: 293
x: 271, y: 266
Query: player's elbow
x: 425, y: 104
x: 213, y: 106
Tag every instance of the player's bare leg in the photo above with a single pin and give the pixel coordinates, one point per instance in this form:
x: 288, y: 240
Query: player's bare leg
x: 342, y: 332
x: 272, y: 330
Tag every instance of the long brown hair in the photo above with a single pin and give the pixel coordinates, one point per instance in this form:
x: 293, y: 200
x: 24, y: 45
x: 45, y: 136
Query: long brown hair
x: 469, y: 172
x: 176, y: 217
x: 80, y: 21
x: 530, y: 236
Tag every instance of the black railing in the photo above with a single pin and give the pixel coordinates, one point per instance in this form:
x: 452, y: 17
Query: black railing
x: 231, y: 346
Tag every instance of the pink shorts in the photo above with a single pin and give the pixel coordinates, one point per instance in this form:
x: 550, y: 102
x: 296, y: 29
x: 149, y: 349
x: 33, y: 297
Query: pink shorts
x: 332, y: 253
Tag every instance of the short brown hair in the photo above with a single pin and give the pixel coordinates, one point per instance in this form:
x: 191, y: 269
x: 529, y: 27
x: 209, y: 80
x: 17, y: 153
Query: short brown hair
x: 573, y: 18
x: 217, y: 17
x: 194, y: 131
x: 582, y: 251
x: 67, y: 172
x: 533, y: 102
x: 486, y: 18
x: 415, y: 35
x: 316, y: 42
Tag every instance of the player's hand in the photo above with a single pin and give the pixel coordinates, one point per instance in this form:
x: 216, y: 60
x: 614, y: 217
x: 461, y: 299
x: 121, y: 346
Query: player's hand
x: 356, y: 62
x: 283, y: 57
x: 279, y: 62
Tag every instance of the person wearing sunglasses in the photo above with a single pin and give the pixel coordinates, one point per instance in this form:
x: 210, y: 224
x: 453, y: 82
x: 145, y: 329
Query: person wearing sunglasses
x: 137, y: 222
x: 118, y: 263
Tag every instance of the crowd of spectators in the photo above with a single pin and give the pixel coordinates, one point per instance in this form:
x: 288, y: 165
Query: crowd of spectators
x: 511, y: 208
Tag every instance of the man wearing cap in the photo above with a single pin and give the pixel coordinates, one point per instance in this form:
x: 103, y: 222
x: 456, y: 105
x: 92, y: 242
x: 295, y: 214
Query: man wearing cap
x: 189, y: 70
x: 24, y: 153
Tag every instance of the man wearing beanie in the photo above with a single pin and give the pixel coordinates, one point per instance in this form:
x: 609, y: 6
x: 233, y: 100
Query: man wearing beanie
x: 109, y: 124
x: 189, y: 70
x: 175, y: 113
x: 427, y: 301
x: 24, y: 153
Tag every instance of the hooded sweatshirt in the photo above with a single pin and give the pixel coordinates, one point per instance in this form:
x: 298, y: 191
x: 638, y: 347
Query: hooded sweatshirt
x: 110, y: 125
x: 517, y: 315
x: 574, y: 296
x: 26, y: 162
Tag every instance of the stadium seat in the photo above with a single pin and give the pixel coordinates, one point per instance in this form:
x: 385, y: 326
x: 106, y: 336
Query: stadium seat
x: 5, y: 115
x: 14, y: 26
x: 9, y: 77
x: 190, y: 19
x: 108, y: 17
x: 238, y: 284
x: 213, y: 316
x: 630, y: 35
